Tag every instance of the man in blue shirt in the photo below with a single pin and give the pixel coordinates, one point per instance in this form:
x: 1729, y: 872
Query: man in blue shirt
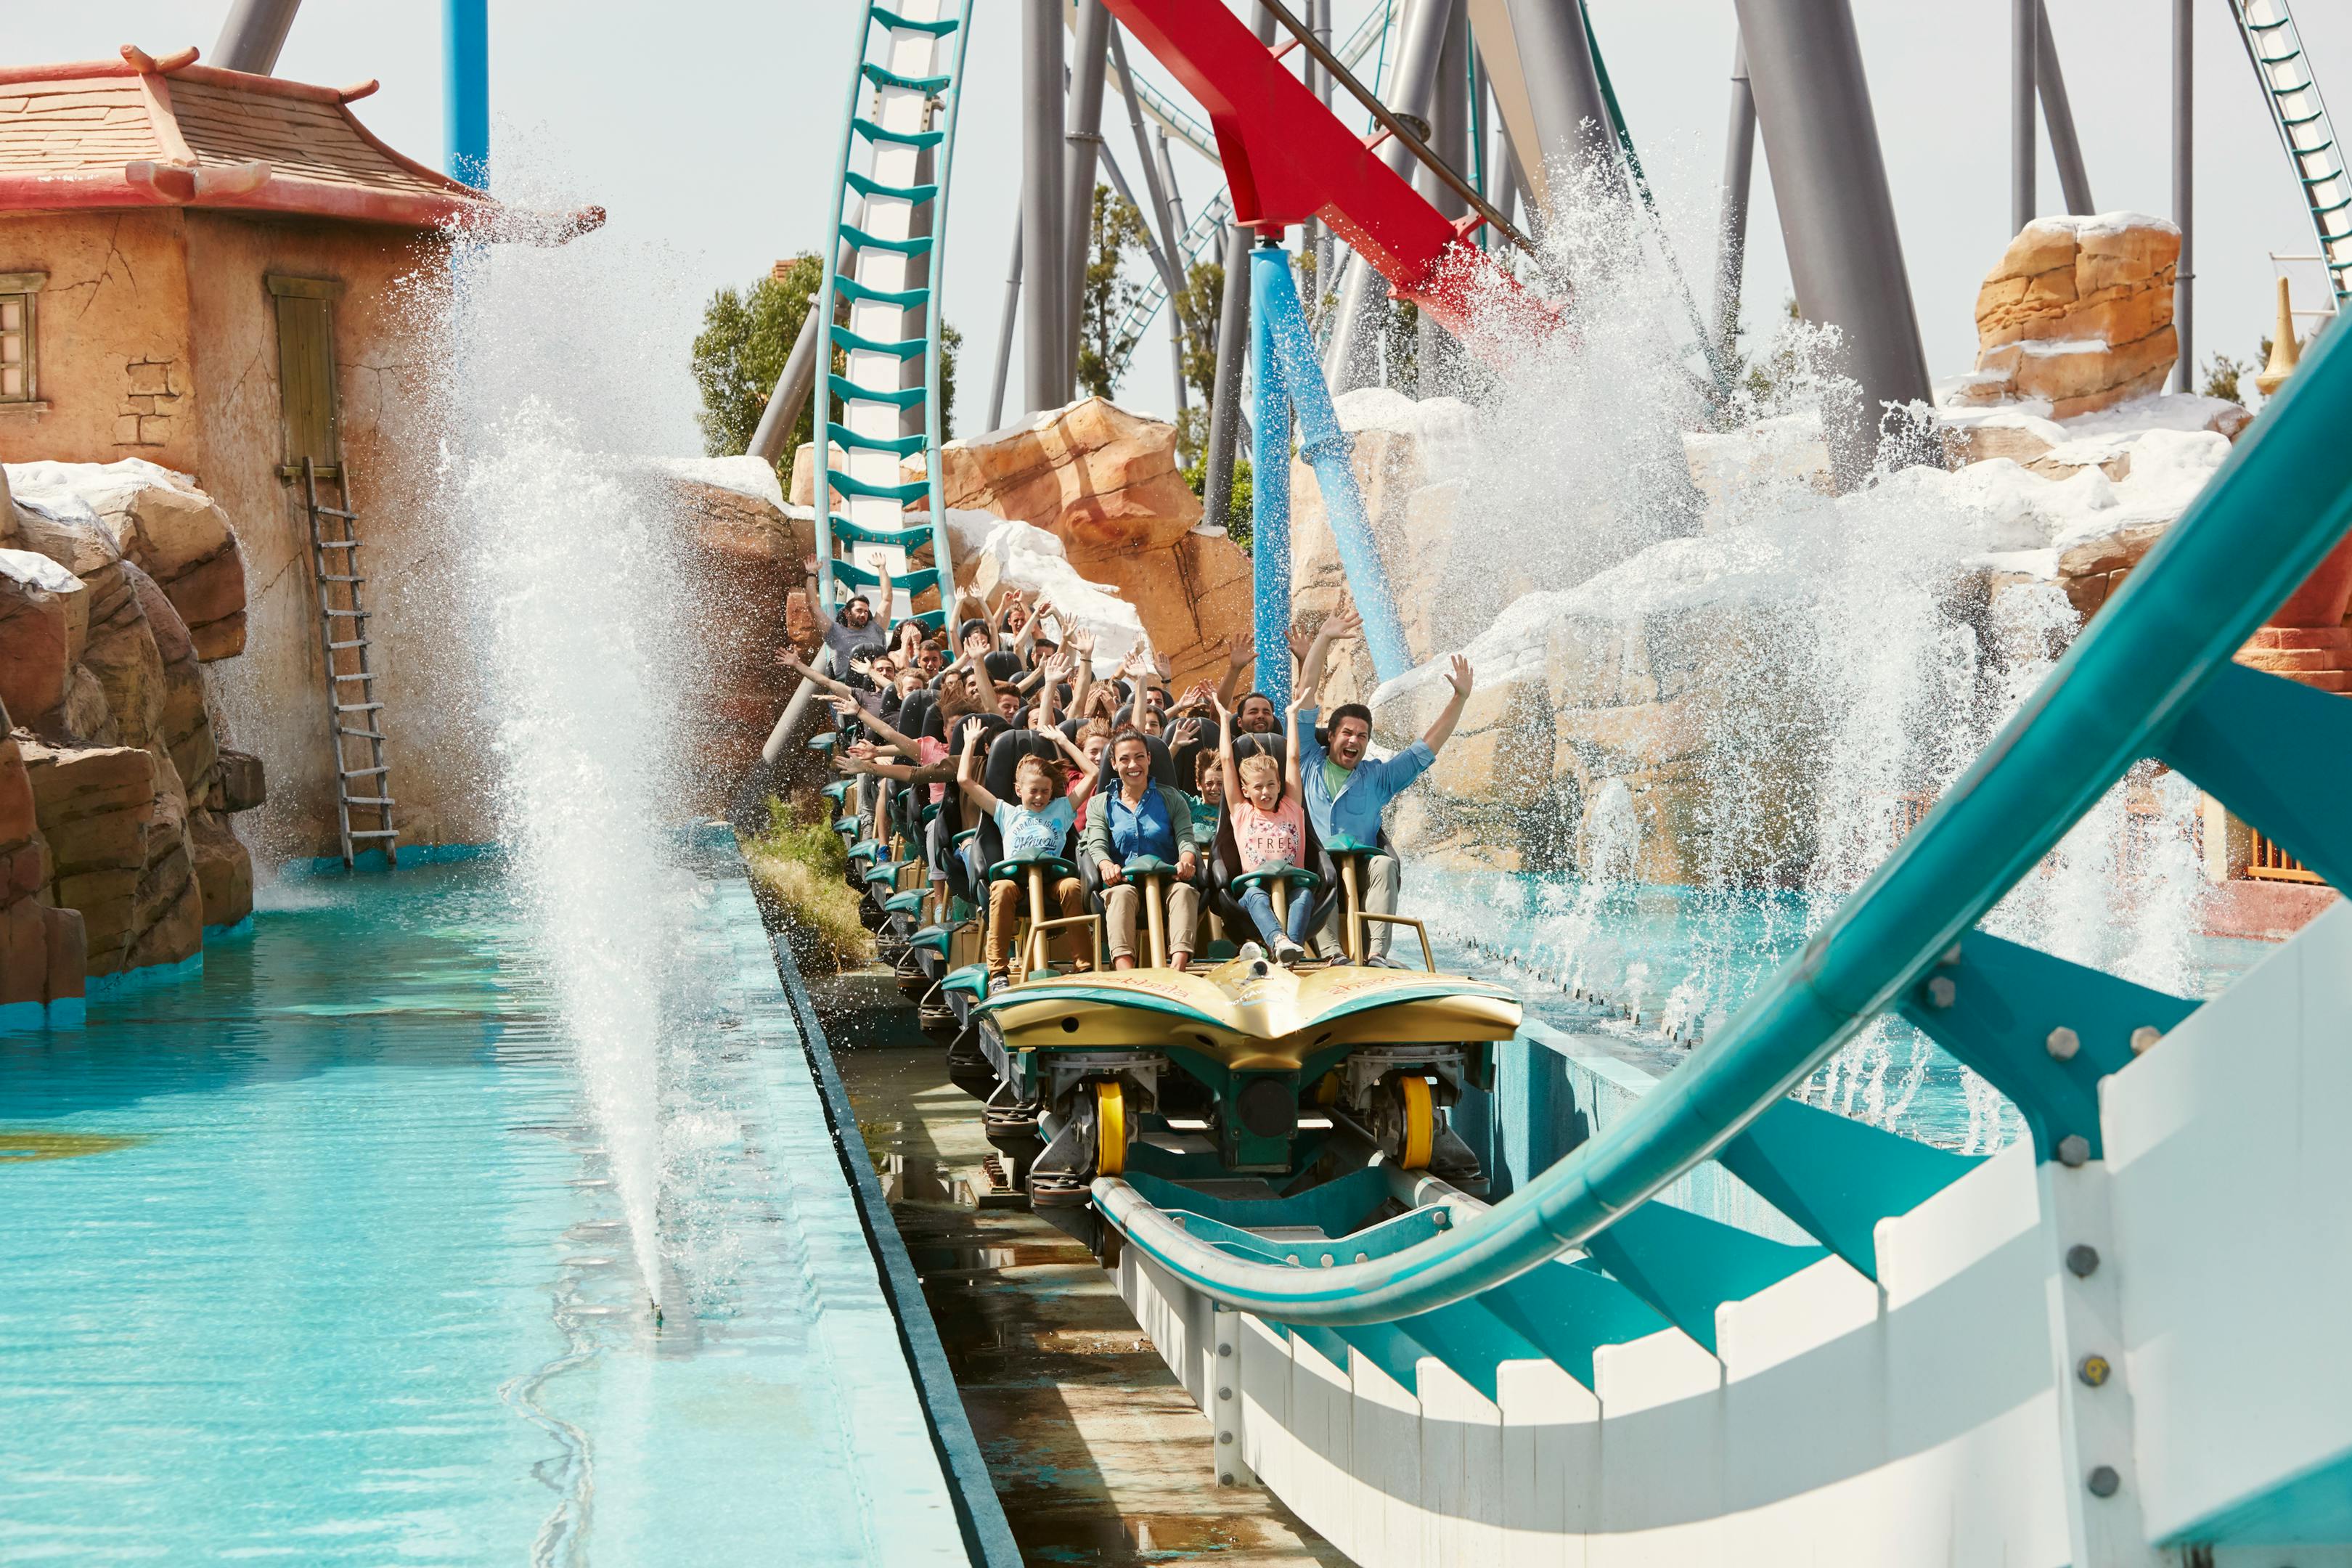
x: 1347, y: 792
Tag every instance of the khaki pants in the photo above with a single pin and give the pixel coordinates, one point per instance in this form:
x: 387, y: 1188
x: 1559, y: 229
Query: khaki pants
x: 1008, y: 902
x: 1378, y: 880
x: 1123, y: 906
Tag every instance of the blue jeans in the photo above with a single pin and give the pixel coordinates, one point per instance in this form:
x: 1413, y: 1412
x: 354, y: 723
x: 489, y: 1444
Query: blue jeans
x: 1259, y: 904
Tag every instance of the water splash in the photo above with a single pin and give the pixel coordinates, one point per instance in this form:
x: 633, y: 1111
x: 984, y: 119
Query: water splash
x: 564, y: 547
x: 1787, y: 678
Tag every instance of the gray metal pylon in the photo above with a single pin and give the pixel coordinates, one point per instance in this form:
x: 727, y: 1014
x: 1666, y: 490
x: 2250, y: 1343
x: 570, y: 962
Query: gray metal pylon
x: 1540, y: 61
x: 795, y: 384
x: 1837, y: 212
x: 1171, y: 231
x: 1225, y: 407
x: 2058, y: 118
x: 2024, y: 150
x: 1004, y: 327
x: 1363, y: 293
x: 1046, y: 361
x: 1731, y: 228
x: 252, y: 34
x: 1449, y: 127
x: 1082, y: 141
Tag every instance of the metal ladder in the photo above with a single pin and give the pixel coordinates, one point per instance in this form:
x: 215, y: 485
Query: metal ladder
x: 2274, y: 46
x: 908, y: 74
x: 353, y: 710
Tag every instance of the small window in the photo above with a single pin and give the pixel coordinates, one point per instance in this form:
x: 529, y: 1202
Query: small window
x: 19, y: 293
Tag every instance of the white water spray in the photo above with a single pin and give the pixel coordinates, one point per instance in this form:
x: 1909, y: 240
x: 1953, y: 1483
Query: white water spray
x: 564, y: 550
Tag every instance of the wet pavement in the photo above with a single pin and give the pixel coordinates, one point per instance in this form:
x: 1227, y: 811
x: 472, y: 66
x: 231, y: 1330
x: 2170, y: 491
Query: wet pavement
x: 1097, y: 1453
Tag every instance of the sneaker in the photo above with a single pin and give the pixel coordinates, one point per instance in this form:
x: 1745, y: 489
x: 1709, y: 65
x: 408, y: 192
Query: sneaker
x: 1381, y: 961
x: 1289, y: 954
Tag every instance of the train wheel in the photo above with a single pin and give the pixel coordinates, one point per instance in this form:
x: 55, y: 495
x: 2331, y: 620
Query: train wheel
x: 1420, y: 1122
x: 1110, y: 1127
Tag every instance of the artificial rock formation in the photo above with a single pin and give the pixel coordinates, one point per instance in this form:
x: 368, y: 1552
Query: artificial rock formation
x: 1105, y: 482
x: 2077, y: 314
x: 115, y: 732
x: 743, y: 563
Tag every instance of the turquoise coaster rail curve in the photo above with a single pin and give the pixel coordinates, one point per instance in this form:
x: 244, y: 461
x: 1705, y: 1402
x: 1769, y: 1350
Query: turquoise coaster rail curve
x: 2151, y: 676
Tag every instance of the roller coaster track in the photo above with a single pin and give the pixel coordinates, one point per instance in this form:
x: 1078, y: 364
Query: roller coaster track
x: 2291, y: 94
x: 2151, y: 678
x: 909, y: 76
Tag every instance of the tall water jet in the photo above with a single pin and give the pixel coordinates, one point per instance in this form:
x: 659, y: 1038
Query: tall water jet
x: 563, y: 549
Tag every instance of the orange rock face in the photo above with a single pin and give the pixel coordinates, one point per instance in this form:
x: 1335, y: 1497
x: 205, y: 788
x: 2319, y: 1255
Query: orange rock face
x: 2078, y: 313
x: 1105, y: 482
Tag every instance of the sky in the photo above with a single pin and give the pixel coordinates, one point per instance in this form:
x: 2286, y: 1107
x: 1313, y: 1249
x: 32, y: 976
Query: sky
x: 711, y: 131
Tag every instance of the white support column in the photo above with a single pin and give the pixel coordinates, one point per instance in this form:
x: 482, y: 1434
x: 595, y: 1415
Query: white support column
x: 1225, y: 1402
x: 2100, y: 1480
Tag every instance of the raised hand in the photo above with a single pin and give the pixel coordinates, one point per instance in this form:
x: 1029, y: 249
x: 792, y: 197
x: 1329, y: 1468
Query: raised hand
x: 1238, y: 652
x: 1166, y: 668
x: 1346, y: 623
x: 1187, y: 733
x: 1299, y: 643
x: 1457, y: 674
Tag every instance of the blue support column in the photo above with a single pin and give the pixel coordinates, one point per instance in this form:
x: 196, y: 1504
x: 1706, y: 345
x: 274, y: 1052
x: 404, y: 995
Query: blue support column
x: 1281, y: 329
x: 466, y: 90
x: 1270, y: 473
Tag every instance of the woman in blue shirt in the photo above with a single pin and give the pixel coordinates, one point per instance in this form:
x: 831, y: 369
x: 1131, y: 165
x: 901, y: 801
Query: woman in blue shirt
x: 1142, y: 818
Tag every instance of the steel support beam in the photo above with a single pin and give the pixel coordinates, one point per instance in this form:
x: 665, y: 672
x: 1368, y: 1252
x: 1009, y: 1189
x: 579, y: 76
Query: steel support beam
x: 1162, y: 216
x: 1082, y: 144
x: 1225, y: 407
x: 2184, y: 186
x: 1004, y: 325
x: 1837, y: 214
x: 253, y: 35
x: 2024, y: 150
x: 1449, y: 126
x: 796, y: 382
x: 1731, y: 228
x: 1046, y: 358
x: 1363, y: 297
x: 2058, y: 119
x: 1540, y: 61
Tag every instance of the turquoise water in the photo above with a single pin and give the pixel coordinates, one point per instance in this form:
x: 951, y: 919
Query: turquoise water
x: 1684, y: 959
x: 313, y: 1257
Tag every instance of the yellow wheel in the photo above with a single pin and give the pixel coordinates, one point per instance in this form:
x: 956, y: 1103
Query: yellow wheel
x: 1110, y: 1127
x: 1420, y: 1122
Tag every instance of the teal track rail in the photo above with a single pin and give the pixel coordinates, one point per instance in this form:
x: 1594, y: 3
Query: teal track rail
x: 947, y: 88
x: 2291, y: 95
x: 2151, y: 676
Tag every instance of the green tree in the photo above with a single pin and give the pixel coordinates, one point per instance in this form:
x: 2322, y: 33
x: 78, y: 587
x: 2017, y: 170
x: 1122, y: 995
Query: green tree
x: 1109, y: 292
x: 2221, y: 374
x: 747, y: 335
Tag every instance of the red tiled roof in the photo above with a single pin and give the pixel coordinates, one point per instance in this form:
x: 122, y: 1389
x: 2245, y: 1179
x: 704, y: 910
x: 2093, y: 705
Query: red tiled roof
x: 142, y: 132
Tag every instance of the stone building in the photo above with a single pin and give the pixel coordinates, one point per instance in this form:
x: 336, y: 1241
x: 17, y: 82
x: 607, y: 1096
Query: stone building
x: 220, y: 274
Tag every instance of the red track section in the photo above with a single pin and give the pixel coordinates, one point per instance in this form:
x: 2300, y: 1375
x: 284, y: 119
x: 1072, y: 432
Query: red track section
x: 1288, y: 159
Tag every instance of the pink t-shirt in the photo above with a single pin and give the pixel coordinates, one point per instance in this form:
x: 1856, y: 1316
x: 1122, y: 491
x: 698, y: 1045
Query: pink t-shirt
x: 929, y: 753
x: 1262, y: 836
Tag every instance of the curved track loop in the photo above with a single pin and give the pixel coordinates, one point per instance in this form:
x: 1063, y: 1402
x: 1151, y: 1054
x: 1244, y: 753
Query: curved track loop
x: 2133, y: 686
